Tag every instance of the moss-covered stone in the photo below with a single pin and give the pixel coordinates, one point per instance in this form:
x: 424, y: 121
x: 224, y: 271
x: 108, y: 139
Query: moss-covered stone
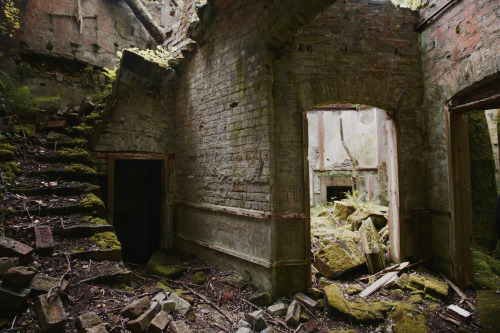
x: 401, y: 282
x: 417, y: 299
x: 261, y: 299
x: 77, y: 155
x: 345, y: 232
x: 361, y: 311
x: 10, y: 170
x: 83, y: 129
x: 356, y: 219
x: 407, y: 320
x: 106, y: 240
x: 338, y: 258
x: 314, y: 293
x: 416, y: 282
x: 80, y: 169
x: 95, y: 220
x: 165, y: 266
x: 199, y: 278
x: 94, y: 204
x: 436, y: 289
x: 353, y: 289
x: 342, y: 210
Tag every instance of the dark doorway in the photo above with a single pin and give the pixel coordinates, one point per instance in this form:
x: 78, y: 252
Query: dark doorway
x: 336, y: 192
x: 138, y: 207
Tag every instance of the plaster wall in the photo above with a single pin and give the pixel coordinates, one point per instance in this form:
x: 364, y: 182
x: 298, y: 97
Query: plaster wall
x: 326, y: 153
x: 459, y: 48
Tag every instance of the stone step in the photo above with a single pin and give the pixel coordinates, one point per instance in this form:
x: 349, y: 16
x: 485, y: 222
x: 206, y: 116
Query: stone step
x: 46, y: 205
x: 57, y: 171
x: 98, y: 255
x: 84, y: 230
x: 33, y: 187
x: 64, y: 155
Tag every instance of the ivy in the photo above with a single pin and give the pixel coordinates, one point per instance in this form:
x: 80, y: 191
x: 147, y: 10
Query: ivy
x: 9, y: 18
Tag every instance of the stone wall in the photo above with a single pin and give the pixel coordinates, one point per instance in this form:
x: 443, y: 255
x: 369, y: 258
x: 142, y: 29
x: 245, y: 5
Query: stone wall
x: 459, y: 48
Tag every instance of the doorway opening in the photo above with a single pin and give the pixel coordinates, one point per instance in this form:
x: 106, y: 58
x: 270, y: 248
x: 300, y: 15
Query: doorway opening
x: 357, y: 168
x: 472, y: 171
x: 137, y: 203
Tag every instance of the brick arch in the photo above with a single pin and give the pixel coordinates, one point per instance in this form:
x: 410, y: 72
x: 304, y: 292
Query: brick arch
x: 361, y: 90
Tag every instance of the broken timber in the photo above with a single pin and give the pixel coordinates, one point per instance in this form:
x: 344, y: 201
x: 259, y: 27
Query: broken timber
x: 146, y: 19
x: 459, y: 292
x: 383, y: 280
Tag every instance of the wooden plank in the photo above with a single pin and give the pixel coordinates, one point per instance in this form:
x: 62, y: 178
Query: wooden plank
x: 460, y: 197
x: 459, y: 292
x: 395, y: 205
x: 383, y: 280
x: 459, y: 311
x: 378, y: 284
x: 482, y: 104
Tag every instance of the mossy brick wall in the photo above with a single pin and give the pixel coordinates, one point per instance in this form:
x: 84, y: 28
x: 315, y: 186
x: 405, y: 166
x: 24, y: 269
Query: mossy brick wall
x: 222, y: 118
x: 141, y: 120
x: 239, y: 162
x: 353, y: 52
x: 459, y: 48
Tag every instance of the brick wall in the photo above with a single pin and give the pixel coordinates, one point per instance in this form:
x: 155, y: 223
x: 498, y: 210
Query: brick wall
x: 459, y: 48
x: 238, y: 122
x: 354, y: 52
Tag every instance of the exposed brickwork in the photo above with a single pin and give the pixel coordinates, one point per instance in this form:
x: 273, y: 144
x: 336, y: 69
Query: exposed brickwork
x: 459, y: 48
x: 222, y: 119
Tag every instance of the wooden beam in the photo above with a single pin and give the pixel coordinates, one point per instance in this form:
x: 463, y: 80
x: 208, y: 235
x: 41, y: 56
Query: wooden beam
x: 482, y: 104
x: 147, y: 20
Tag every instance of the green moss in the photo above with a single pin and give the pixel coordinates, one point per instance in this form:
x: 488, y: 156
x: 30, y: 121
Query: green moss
x: 406, y: 319
x: 198, y: 278
x: 360, y: 310
x: 92, y: 202
x: 163, y: 284
x: 486, y: 271
x: 83, y: 129
x: 10, y: 170
x: 79, y: 142
x: 106, y: 240
x: 81, y: 169
x: 53, y: 136
x: 95, y: 220
x: 77, y: 155
x: 162, y: 265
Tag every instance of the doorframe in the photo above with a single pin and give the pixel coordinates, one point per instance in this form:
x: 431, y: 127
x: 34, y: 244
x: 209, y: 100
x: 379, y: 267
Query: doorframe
x: 166, y: 227
x: 393, y: 184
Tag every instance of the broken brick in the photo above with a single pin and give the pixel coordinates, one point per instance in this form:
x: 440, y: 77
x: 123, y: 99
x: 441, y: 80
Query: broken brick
x: 44, y: 242
x: 12, y: 248
x: 50, y: 313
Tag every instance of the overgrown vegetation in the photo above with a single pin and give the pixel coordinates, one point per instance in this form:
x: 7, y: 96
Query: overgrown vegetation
x: 9, y: 18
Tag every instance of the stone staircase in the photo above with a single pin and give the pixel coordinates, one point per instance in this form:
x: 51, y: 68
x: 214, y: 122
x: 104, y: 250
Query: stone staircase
x: 54, y: 232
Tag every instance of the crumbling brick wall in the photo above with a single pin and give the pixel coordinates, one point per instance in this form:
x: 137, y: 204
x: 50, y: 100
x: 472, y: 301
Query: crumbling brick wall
x: 239, y: 161
x: 459, y: 48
